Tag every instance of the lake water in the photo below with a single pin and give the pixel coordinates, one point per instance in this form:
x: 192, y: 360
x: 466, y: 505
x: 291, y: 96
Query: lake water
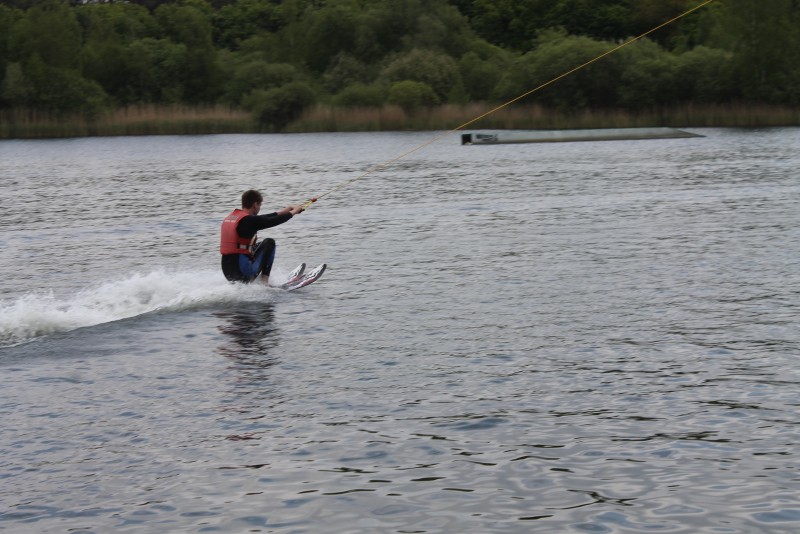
x: 594, y: 337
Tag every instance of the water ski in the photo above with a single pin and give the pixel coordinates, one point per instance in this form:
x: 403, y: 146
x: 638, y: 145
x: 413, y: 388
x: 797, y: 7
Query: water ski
x: 296, y: 273
x: 299, y: 278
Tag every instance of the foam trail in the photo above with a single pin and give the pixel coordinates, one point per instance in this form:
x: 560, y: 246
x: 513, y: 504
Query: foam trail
x: 38, y: 314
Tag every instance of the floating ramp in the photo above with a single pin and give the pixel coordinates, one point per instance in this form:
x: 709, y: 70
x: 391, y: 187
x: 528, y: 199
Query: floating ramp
x: 560, y: 136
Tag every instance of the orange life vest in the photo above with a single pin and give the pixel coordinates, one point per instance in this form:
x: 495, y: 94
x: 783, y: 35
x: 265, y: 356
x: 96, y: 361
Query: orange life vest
x: 230, y: 241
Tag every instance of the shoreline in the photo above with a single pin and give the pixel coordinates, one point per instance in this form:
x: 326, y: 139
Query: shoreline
x: 210, y: 120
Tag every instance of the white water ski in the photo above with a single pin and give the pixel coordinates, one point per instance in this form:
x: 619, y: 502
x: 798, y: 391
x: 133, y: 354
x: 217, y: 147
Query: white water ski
x: 295, y: 275
x: 303, y: 280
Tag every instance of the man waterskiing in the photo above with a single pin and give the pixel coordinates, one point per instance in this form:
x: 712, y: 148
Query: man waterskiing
x: 243, y: 258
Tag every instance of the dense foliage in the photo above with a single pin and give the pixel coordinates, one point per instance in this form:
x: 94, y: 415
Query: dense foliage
x: 276, y: 57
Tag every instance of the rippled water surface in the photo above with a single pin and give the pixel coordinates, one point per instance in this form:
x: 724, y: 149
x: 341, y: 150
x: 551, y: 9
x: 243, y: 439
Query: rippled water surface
x: 589, y: 337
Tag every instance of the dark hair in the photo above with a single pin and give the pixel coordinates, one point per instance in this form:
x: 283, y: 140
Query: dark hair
x: 251, y: 197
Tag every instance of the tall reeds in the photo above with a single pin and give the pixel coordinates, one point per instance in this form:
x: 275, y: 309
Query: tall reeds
x: 134, y: 120
x: 180, y: 120
x: 532, y: 117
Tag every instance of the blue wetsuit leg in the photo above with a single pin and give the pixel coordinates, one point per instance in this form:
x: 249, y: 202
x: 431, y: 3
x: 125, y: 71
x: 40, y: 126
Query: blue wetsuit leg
x: 260, y: 262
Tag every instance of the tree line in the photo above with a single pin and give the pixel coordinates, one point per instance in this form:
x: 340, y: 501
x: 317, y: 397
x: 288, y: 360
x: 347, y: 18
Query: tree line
x: 276, y: 58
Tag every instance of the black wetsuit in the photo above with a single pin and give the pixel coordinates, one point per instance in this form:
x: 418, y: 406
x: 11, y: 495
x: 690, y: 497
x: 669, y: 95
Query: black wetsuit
x: 246, y: 267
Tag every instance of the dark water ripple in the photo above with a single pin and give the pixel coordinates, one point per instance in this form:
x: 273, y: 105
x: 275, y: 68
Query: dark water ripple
x: 588, y: 338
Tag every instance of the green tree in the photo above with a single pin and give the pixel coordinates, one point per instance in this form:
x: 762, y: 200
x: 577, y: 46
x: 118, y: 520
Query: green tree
x: 109, y: 30
x: 599, y: 19
x: 498, y: 21
x: 8, y: 18
x: 361, y: 95
x: 189, y: 24
x: 49, y: 31
x: 105, y: 63
x: 763, y: 37
x: 345, y: 70
x: 154, y: 71
x: 275, y: 108
x: 480, y: 76
x: 58, y: 90
x: 266, y: 46
x: 289, y: 43
x: 114, y: 22
x: 387, y: 27
x: 16, y: 91
x: 685, y: 33
x: 412, y: 95
x: 647, y: 77
x: 42, y: 66
x: 556, y: 53
x: 237, y: 22
x: 514, y: 23
x: 259, y: 74
x: 439, y: 27
x: 329, y: 31
x: 435, y: 69
x: 705, y: 75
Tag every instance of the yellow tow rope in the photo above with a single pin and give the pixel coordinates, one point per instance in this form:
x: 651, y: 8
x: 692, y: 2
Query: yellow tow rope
x: 380, y: 166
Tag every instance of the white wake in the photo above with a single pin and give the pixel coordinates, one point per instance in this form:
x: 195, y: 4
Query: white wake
x: 37, y: 314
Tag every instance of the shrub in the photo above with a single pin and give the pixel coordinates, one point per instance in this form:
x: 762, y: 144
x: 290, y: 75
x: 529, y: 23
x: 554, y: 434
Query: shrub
x: 258, y: 74
x: 436, y: 70
x: 275, y: 108
x: 411, y: 95
x: 360, y: 95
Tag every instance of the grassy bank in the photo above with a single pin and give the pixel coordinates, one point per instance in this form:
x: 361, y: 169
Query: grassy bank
x: 181, y: 120
x: 138, y: 120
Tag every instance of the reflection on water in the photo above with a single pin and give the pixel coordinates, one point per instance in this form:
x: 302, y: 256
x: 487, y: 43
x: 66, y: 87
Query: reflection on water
x: 251, y: 343
x: 252, y: 334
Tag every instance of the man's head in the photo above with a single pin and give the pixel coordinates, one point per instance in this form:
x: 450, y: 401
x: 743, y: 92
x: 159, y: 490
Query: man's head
x: 251, y: 200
